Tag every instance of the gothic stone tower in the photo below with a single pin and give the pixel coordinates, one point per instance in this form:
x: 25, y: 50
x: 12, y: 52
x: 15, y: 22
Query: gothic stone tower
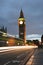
x: 22, y: 27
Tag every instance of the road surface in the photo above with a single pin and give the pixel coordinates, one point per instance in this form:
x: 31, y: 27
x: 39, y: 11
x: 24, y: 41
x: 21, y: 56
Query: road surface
x: 15, y: 56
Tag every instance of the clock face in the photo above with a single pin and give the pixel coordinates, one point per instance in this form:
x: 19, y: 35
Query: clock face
x: 21, y: 22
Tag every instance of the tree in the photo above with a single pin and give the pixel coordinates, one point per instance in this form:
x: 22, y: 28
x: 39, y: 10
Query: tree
x: 42, y: 39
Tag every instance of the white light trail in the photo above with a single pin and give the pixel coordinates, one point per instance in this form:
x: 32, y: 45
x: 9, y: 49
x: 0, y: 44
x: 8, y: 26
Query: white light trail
x: 3, y: 49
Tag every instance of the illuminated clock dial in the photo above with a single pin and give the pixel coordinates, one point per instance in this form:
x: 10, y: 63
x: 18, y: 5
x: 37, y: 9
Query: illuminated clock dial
x: 21, y: 22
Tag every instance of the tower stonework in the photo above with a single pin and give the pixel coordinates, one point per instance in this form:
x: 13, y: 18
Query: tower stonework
x: 22, y: 27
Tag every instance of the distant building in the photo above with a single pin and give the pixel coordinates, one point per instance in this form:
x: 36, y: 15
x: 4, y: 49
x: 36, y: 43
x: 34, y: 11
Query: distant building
x: 22, y: 27
x: 3, y: 31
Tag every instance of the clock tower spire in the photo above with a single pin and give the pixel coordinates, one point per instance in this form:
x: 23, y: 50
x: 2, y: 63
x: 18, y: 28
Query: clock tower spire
x: 22, y: 27
x: 21, y: 14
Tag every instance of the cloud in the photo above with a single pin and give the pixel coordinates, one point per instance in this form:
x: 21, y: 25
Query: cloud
x: 33, y: 37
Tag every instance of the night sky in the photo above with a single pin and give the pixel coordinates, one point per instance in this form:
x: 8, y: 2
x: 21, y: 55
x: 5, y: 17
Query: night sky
x: 33, y: 13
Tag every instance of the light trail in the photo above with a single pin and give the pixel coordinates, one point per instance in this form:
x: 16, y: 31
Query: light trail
x: 3, y: 49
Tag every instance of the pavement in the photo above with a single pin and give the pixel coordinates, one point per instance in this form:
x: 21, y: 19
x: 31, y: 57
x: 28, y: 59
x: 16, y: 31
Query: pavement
x: 36, y: 58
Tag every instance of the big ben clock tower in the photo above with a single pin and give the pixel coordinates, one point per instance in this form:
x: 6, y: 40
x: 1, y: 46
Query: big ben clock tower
x: 22, y: 27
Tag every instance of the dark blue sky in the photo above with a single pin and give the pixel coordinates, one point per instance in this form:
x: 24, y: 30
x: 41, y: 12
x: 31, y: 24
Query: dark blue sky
x: 33, y: 13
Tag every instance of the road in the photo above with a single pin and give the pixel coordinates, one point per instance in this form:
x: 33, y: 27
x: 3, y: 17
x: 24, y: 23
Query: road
x: 15, y: 56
